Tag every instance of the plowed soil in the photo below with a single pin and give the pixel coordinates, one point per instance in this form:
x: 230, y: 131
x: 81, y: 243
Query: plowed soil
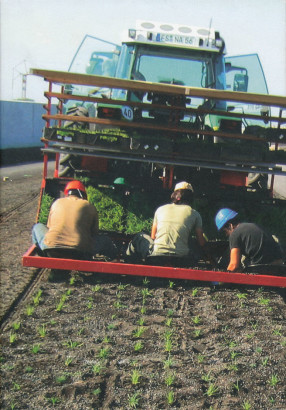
x: 93, y: 341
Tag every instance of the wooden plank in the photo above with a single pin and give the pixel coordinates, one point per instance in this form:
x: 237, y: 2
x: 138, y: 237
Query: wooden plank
x: 168, y: 127
x: 63, y: 77
x: 146, y: 106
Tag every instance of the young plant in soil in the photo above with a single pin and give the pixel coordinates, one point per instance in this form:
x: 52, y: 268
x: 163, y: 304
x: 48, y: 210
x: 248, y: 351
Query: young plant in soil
x: 246, y: 405
x: 16, y: 325
x: 135, y: 376
x: 12, y: 338
x: 212, y: 390
x: 133, y: 400
x: 170, y: 397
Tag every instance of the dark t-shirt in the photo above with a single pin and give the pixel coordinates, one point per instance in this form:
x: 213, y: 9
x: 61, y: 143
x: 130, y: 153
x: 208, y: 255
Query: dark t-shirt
x: 255, y: 243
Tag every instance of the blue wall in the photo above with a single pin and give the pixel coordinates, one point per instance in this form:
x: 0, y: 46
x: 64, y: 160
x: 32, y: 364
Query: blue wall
x: 21, y: 124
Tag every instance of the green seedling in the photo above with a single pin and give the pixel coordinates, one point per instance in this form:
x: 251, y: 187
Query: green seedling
x: 138, y: 346
x: 234, y: 355
x: 168, y: 345
x: 61, y: 379
x: 111, y: 326
x: 36, y: 348
x: 241, y: 295
x: 42, y: 330
x: 171, y: 284
x: 169, y: 321
x: 30, y: 310
x: 16, y: 386
x: 168, y: 334
x: 265, y: 361
x: 236, y: 386
x: 201, y: 358
x: 197, y: 333
x: 68, y: 361
x: 53, y: 400
x: 133, y: 401
x: 37, y: 298
x: 143, y: 310
x: 106, y: 340
x: 96, y: 392
x: 170, y: 397
x: 141, y: 321
x: 61, y: 303
x: 168, y: 363
x: 12, y: 338
x: 277, y: 332
x: 104, y: 353
x: 16, y: 325
x: 29, y: 369
x: 170, y: 312
x: 96, y: 288
x: 263, y: 301
x: 98, y: 368
x: 146, y: 281
x: 118, y: 305
x: 274, y: 380
x: 212, y: 390
x: 122, y: 287
x: 72, y: 280
x: 246, y: 405
x: 195, y: 292
x: 207, y: 377
x: 196, y: 320
x: 89, y: 305
x: 232, y: 344
x: 145, y: 292
x: 170, y: 379
x: 254, y: 325
x: 135, y: 376
x: 72, y: 345
x: 81, y: 331
x: 139, y: 332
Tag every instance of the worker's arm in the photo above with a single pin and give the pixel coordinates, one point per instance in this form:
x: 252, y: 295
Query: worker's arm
x: 154, y: 230
x: 235, y: 256
x: 200, y: 237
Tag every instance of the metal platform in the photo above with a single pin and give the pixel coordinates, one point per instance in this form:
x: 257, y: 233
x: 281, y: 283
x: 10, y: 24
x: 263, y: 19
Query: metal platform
x: 31, y: 259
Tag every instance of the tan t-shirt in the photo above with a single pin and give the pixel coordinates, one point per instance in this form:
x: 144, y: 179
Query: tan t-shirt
x: 72, y: 222
x: 174, y: 226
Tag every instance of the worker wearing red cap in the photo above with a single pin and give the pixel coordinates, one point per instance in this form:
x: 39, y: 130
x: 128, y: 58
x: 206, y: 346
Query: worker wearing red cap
x: 73, y: 224
x: 172, y: 227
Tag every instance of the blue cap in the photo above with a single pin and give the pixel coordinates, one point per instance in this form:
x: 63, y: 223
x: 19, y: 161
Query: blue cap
x: 223, y: 216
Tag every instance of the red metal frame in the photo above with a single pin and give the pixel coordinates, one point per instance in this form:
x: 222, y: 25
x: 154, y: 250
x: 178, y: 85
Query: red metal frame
x: 32, y: 260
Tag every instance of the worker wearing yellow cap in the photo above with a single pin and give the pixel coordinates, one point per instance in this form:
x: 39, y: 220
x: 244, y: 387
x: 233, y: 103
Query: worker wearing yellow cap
x: 172, y: 228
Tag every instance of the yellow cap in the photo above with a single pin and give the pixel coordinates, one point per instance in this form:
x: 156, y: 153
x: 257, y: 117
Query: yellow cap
x: 183, y: 185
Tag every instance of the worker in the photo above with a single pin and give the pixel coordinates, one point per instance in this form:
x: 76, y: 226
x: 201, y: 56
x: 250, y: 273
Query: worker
x: 172, y: 227
x: 73, y: 225
x: 249, y: 243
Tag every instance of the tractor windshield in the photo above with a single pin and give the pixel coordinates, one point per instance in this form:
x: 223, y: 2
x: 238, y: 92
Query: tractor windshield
x: 174, y: 66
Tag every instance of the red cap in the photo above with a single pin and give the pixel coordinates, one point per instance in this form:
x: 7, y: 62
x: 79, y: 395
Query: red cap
x: 74, y: 185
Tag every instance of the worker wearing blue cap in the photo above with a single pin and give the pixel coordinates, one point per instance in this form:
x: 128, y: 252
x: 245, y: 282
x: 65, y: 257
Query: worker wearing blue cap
x: 247, y: 240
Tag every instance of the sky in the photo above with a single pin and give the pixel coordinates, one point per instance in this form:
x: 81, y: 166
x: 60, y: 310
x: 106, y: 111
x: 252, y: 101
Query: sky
x: 46, y: 33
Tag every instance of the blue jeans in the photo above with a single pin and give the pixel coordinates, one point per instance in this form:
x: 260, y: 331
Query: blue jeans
x: 101, y: 244
x: 38, y: 235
